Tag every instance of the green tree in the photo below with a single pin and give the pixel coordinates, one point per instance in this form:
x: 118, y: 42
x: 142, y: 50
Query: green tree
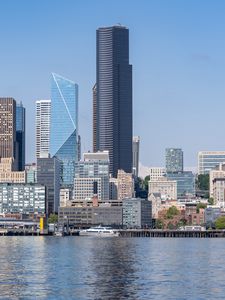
x: 53, y: 218
x: 145, y: 183
x: 159, y: 224
x: 200, y: 205
x: 211, y: 201
x: 171, y: 212
x: 220, y: 223
x: 203, y: 182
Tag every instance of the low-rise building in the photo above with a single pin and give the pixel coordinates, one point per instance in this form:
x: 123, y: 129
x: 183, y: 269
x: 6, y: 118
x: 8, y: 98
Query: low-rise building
x: 137, y: 213
x: 211, y: 214
x: 167, y: 188
x: 185, y: 182
x: 81, y: 216
x: 22, y: 198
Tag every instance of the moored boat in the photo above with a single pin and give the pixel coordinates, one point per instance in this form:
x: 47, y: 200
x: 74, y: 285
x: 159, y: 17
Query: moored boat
x: 99, y: 231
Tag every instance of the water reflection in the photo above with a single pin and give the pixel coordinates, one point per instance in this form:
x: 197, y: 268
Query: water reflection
x: 111, y: 268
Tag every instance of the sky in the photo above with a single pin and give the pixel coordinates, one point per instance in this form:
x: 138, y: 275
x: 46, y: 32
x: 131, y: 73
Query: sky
x: 177, y: 49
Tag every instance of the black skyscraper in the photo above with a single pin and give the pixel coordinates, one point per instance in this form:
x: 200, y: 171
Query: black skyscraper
x: 114, y: 97
x: 20, y: 135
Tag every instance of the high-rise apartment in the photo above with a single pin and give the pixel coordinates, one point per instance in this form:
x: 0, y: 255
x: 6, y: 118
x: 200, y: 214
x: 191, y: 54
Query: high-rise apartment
x: 113, y: 112
x: 43, y: 116
x: 20, y: 135
x: 136, y: 144
x: 174, y: 160
x: 8, y: 129
x: 64, y: 125
x: 209, y: 160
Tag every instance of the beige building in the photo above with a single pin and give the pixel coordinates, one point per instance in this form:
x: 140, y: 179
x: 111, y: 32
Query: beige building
x: 219, y: 192
x: 216, y: 173
x: 7, y: 175
x: 125, y: 185
x: 156, y: 172
x: 64, y: 197
x: 167, y: 188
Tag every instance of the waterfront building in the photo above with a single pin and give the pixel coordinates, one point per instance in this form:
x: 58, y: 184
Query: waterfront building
x: 218, y: 172
x: 156, y: 172
x: 22, y: 198
x: 137, y: 213
x: 219, y: 192
x: 31, y: 173
x: 7, y: 173
x: 64, y: 125
x: 48, y: 174
x: 185, y: 182
x: 209, y: 160
x: 167, y: 188
x: 113, y: 96
x: 125, y: 185
x: 92, y: 176
x: 8, y: 130
x: 81, y: 216
x: 174, y: 160
x: 136, y: 146
x: 21, y: 135
x: 43, y: 117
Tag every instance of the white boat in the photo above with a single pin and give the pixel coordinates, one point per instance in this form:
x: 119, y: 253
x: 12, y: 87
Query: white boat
x: 99, y: 231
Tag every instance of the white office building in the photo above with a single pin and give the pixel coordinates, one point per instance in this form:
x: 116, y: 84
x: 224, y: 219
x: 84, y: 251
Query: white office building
x: 215, y: 173
x: 208, y: 160
x: 43, y: 116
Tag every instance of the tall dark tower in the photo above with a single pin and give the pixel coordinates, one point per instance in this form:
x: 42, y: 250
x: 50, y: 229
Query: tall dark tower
x: 20, y: 135
x: 114, y: 97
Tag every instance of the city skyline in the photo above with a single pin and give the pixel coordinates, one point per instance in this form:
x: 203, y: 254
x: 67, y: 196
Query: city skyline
x: 180, y: 83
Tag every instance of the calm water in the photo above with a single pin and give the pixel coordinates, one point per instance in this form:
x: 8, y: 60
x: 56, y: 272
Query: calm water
x: 111, y: 268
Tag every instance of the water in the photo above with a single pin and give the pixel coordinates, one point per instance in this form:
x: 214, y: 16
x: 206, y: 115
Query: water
x: 111, y: 268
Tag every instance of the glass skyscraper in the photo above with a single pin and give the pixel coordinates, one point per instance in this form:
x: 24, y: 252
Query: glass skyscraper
x: 64, y: 125
x: 112, y: 98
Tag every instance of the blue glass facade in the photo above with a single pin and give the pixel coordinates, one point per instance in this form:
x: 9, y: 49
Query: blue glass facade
x: 20, y: 136
x: 64, y: 125
x: 185, y: 182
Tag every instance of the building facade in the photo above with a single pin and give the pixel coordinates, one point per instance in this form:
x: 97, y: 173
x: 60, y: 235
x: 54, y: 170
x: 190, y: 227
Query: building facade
x: 185, y: 182
x: 125, y: 185
x: 219, y: 192
x: 22, y: 198
x: 21, y: 135
x: 48, y: 174
x: 208, y: 160
x: 8, y: 129
x: 92, y: 171
x: 113, y: 112
x: 218, y: 172
x: 156, y: 172
x: 8, y: 175
x: 136, y: 146
x: 43, y: 117
x: 174, y: 160
x: 64, y: 125
x: 137, y: 213
x: 167, y: 188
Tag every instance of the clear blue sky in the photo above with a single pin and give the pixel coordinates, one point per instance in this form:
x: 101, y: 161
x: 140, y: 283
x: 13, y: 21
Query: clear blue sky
x: 177, y: 49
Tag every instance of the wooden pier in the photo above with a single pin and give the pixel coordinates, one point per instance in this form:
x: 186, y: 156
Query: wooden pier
x: 172, y: 233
